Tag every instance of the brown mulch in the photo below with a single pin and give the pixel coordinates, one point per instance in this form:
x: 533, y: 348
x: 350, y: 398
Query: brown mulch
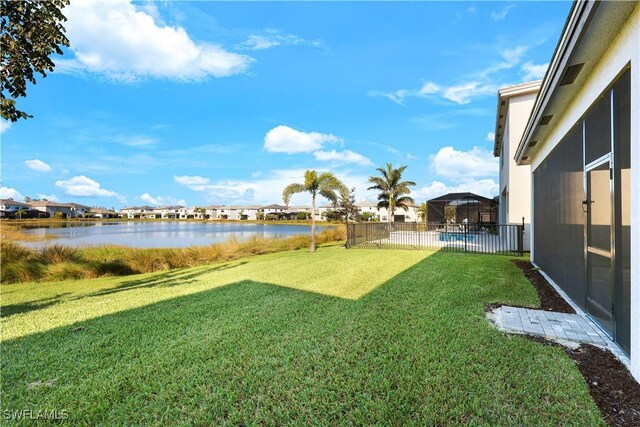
x: 550, y: 299
x: 611, y: 385
x: 613, y: 389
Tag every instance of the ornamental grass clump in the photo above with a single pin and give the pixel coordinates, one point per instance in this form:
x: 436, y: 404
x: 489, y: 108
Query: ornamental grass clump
x: 59, y: 262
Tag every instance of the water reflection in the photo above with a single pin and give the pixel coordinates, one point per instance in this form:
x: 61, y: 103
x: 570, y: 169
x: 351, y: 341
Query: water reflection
x: 159, y: 234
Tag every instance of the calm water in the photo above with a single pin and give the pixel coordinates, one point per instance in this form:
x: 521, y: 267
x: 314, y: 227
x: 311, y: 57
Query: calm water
x: 160, y: 234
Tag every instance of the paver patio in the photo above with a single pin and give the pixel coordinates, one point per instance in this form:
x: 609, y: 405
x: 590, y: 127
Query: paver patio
x: 549, y: 324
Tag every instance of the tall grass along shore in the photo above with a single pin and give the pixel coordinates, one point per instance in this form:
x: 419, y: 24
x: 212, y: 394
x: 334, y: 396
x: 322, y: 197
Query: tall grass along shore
x: 59, y: 262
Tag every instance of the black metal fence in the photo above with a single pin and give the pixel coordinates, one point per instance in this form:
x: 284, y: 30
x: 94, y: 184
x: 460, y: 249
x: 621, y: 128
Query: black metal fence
x: 502, y: 239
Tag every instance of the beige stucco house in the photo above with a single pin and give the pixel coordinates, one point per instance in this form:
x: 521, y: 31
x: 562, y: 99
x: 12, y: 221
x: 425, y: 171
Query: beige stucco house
x: 514, y: 108
x: 582, y: 143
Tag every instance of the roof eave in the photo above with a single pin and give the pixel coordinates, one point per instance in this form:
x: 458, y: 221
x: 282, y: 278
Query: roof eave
x: 580, y: 12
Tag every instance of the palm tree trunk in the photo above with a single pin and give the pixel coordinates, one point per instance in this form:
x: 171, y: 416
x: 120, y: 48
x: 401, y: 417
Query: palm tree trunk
x: 312, y: 247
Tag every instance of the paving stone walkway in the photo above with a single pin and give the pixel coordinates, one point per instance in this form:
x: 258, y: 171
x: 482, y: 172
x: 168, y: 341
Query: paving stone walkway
x: 548, y: 324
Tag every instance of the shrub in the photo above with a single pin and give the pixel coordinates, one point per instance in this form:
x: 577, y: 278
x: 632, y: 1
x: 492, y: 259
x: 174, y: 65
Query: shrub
x: 21, y: 271
x: 58, y: 262
x: 145, y: 261
x: 58, y: 253
x: 70, y: 270
x: 12, y: 252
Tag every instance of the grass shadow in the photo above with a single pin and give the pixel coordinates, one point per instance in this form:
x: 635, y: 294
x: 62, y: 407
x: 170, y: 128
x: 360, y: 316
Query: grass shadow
x: 25, y: 307
x: 167, y: 279
x: 415, y: 350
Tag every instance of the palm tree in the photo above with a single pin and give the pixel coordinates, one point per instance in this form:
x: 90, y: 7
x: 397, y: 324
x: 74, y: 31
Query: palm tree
x: 422, y: 211
x: 20, y: 212
x: 202, y: 211
x: 325, y: 184
x: 392, y: 189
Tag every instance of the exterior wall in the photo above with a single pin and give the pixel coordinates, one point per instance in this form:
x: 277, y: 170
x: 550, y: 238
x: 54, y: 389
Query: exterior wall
x: 10, y: 207
x: 624, y: 50
x: 515, y: 180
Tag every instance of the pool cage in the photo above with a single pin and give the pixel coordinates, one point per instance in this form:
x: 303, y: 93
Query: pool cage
x: 458, y: 208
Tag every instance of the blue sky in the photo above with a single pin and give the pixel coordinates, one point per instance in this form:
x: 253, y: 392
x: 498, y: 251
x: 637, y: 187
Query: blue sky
x: 226, y: 103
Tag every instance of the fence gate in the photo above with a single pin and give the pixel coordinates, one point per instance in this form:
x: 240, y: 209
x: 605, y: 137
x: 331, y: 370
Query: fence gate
x: 501, y: 239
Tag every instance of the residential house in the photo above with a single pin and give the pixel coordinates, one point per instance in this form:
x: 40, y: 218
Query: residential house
x: 166, y: 212
x: 273, y: 210
x: 137, y: 212
x: 103, y: 213
x: 9, y: 207
x: 513, y: 110
x: 371, y: 208
x: 78, y: 210
x: 53, y: 208
x: 582, y: 142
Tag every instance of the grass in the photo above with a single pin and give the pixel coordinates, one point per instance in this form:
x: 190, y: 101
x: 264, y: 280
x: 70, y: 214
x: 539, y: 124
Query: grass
x: 59, y: 262
x: 336, y: 337
x: 13, y: 232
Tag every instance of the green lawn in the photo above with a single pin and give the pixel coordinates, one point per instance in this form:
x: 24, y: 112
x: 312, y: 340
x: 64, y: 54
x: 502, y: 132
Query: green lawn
x: 339, y: 336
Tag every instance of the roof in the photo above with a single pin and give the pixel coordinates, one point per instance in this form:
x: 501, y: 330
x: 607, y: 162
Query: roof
x: 452, y: 197
x: 77, y: 206
x: 589, y: 30
x: 367, y: 204
x: 102, y: 211
x: 138, y: 208
x: 504, y: 94
x: 12, y: 202
x: 274, y: 206
x: 47, y: 203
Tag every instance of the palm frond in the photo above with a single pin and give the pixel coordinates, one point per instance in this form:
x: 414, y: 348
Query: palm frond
x: 290, y: 190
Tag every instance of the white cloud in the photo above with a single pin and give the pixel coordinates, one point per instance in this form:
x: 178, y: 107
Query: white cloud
x: 346, y: 156
x: 162, y: 200
x: 116, y: 39
x: 274, y: 38
x: 427, y: 89
x: 50, y: 197
x: 137, y: 140
x: 37, y: 165
x: 4, y: 126
x: 10, y: 193
x: 514, y: 55
x: 465, y: 93
x: 491, y: 136
x: 193, y: 182
x: 464, y: 165
x: 450, y: 119
x: 483, y: 187
x: 531, y: 71
x: 283, y: 139
x: 82, y: 186
x: 478, y: 84
x: 266, y: 189
x: 255, y: 42
x: 501, y: 14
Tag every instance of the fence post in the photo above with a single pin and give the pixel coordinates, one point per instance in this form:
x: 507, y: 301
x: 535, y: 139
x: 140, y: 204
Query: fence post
x: 521, y: 238
x: 466, y: 236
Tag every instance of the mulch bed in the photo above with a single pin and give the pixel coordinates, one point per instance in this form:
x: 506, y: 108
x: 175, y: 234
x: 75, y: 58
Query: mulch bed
x: 550, y: 299
x: 612, y: 387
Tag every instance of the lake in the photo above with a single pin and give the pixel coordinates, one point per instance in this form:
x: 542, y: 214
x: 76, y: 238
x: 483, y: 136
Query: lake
x: 159, y: 234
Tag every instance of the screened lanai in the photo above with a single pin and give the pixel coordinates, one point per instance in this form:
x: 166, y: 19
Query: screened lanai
x: 458, y: 207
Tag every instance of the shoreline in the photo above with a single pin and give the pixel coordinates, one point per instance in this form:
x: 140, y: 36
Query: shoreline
x: 44, y: 221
